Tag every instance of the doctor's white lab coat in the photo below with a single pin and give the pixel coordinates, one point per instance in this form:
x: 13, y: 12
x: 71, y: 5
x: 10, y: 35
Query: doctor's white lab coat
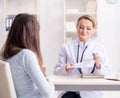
x: 69, y: 52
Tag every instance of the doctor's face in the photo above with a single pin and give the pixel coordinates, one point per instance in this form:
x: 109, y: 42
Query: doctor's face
x: 85, y: 30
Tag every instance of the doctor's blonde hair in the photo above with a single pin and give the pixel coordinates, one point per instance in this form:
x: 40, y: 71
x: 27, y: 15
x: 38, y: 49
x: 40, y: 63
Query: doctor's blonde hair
x: 88, y: 17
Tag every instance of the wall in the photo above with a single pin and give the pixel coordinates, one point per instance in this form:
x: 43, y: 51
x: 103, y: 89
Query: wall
x: 108, y: 31
x: 108, y: 34
x: 51, y: 21
x: 2, y: 21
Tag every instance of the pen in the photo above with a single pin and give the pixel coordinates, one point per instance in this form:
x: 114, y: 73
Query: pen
x: 94, y: 64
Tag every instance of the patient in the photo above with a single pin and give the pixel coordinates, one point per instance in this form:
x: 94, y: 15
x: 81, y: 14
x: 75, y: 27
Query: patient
x: 22, y: 52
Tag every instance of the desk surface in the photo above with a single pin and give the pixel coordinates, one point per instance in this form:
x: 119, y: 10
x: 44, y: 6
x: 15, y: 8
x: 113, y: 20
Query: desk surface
x: 77, y: 83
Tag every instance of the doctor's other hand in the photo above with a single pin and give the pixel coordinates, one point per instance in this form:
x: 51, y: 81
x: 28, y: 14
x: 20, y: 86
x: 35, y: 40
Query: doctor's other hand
x: 69, y: 66
x: 97, y: 59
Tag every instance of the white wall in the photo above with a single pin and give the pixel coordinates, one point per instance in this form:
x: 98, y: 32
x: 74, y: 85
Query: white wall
x: 2, y: 21
x: 51, y: 21
x: 108, y: 34
x: 108, y: 31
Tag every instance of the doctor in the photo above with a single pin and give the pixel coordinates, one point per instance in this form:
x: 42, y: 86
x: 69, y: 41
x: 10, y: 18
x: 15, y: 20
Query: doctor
x: 79, y: 50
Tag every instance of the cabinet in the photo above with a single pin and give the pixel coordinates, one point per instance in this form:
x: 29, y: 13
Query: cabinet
x: 13, y: 7
x: 73, y: 9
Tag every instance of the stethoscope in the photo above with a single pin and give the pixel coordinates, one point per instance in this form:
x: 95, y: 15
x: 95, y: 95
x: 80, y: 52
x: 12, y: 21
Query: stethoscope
x: 77, y: 60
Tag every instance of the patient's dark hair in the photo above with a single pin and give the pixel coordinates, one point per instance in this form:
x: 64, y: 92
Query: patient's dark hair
x: 24, y: 34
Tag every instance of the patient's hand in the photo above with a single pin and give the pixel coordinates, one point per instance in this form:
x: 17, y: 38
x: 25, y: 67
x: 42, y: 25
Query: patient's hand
x: 44, y: 69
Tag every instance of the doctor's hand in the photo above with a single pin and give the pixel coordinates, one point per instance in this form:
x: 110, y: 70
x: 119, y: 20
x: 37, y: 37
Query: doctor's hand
x: 69, y: 66
x: 97, y: 59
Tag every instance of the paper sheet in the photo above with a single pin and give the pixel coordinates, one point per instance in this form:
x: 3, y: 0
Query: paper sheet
x: 113, y: 77
x: 85, y: 64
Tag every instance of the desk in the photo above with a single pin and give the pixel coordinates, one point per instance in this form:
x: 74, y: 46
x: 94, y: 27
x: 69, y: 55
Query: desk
x: 83, y: 84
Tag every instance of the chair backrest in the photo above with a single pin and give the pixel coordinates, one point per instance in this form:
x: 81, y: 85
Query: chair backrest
x: 7, y: 89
